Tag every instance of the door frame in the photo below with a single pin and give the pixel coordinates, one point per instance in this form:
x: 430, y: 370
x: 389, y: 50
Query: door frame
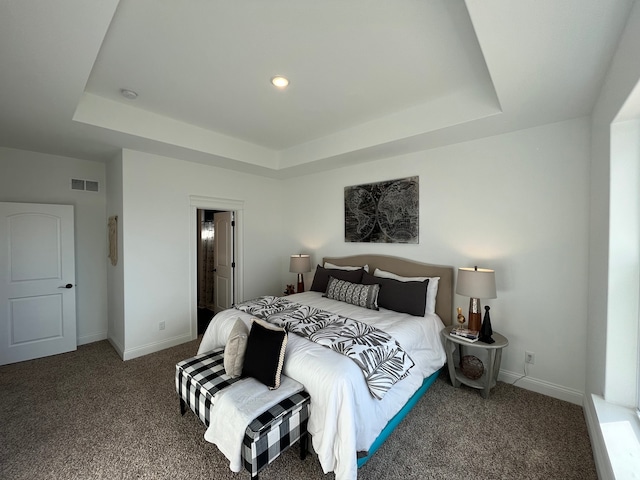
x: 214, y: 203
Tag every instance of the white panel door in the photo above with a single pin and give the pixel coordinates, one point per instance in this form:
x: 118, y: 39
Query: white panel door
x: 37, y: 294
x: 223, y: 260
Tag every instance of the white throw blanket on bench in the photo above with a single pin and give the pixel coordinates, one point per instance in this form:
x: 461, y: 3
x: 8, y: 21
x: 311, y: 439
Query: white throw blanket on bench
x: 236, y: 406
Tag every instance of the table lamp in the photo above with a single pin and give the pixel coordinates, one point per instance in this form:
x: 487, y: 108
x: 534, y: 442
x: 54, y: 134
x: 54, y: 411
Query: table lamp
x: 476, y: 283
x: 300, y: 264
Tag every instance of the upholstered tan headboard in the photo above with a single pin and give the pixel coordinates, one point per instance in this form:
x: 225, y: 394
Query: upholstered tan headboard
x: 409, y: 268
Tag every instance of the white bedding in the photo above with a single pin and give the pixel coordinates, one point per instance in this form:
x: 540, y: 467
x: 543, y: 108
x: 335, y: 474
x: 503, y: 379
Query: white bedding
x: 345, y: 417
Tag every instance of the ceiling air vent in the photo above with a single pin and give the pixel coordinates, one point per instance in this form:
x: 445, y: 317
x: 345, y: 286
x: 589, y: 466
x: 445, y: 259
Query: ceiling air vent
x: 86, y: 185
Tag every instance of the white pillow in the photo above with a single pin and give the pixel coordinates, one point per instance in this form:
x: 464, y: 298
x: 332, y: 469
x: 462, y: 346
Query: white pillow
x: 342, y: 267
x: 432, y: 288
x: 235, y: 349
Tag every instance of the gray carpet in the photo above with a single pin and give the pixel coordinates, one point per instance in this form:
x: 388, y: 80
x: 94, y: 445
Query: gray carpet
x: 89, y: 415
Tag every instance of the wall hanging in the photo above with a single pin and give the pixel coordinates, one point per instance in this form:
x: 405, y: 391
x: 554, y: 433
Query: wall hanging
x: 382, y: 212
x: 113, y: 239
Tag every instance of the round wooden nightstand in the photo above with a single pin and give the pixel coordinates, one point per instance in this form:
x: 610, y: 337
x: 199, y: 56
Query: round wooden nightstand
x: 494, y: 353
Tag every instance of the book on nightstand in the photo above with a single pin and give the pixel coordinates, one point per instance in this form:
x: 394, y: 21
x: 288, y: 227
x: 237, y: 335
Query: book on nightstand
x: 465, y: 334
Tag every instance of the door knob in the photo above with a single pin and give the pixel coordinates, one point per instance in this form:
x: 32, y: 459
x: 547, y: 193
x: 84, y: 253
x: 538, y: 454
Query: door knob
x: 68, y: 285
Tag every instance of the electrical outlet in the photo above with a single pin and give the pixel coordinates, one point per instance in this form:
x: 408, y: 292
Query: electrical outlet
x: 161, y: 326
x: 529, y: 357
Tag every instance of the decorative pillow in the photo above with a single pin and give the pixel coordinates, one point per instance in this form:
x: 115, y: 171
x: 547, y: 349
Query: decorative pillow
x: 235, y: 349
x: 354, y: 293
x: 264, y: 357
x: 403, y: 297
x: 321, y: 277
x: 344, y: 267
x: 432, y: 289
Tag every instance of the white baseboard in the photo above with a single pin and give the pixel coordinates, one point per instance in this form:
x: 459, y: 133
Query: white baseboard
x: 96, y: 337
x: 135, y: 352
x: 118, y: 348
x: 545, y: 388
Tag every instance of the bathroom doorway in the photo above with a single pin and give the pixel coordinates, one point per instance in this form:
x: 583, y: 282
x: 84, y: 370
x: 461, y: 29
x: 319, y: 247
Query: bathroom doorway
x: 234, y: 244
x: 215, y: 263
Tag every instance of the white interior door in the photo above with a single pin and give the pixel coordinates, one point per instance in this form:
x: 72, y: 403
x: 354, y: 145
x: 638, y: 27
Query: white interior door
x: 37, y: 265
x: 223, y: 260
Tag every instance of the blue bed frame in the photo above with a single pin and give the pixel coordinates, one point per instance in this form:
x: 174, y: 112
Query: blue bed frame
x: 395, y: 421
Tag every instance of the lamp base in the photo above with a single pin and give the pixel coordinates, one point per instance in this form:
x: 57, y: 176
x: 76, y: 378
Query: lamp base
x: 475, y: 321
x: 475, y: 316
x: 300, y: 284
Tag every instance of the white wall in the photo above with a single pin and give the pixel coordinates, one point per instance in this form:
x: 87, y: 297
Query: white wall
x: 39, y: 178
x: 115, y: 273
x: 624, y: 264
x: 156, y: 229
x: 612, y: 367
x: 517, y: 203
x: 607, y: 334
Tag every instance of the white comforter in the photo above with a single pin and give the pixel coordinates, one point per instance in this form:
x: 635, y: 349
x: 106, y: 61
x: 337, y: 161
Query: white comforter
x: 345, y: 417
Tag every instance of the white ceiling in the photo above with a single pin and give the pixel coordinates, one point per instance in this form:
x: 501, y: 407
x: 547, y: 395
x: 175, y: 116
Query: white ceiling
x: 369, y: 79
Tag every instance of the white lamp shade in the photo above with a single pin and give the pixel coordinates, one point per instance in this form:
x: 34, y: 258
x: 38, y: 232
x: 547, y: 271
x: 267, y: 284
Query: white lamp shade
x: 300, y: 264
x: 476, y: 283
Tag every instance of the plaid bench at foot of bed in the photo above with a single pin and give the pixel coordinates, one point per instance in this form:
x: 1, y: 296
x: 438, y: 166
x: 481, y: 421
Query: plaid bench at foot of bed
x: 275, y: 431
x: 198, y: 379
x: 267, y: 436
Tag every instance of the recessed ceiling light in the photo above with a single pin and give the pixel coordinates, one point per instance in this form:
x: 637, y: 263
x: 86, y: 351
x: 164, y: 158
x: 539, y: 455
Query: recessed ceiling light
x: 128, y: 94
x: 279, y: 81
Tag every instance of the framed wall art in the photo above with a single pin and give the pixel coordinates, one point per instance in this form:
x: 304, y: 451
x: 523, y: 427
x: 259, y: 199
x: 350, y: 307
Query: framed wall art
x: 382, y: 212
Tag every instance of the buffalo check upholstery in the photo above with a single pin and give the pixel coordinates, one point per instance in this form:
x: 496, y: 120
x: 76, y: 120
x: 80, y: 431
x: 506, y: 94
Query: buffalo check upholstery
x: 199, y: 378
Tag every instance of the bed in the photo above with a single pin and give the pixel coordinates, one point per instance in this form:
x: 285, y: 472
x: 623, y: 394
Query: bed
x: 347, y: 423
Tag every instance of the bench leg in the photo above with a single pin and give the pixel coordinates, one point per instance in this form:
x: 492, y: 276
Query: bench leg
x: 304, y: 445
x: 183, y: 407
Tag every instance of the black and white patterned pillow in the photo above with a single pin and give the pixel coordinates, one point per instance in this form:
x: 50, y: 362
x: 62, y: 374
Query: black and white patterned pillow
x: 365, y: 296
